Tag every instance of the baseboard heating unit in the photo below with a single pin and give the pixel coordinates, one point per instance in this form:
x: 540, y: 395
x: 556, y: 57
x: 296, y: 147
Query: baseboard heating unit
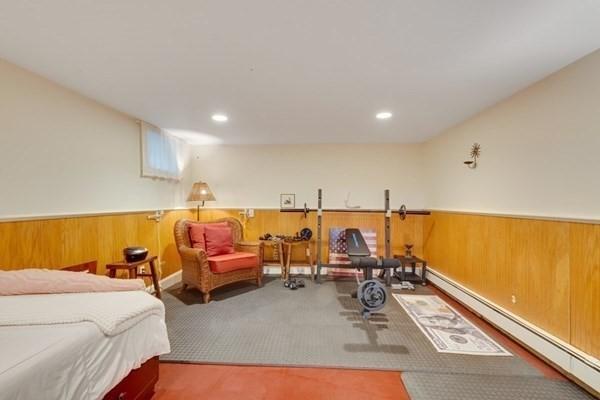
x: 570, y: 360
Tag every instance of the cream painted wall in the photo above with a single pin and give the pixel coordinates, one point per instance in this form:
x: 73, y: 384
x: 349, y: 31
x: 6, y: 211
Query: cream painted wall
x: 540, y: 151
x: 61, y: 153
x: 255, y: 175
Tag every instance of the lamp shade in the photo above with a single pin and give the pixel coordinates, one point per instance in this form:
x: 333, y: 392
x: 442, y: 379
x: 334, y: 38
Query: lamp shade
x: 201, y: 192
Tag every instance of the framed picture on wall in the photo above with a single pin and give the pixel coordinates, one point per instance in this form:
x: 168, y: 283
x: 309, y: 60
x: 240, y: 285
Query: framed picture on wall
x: 287, y: 200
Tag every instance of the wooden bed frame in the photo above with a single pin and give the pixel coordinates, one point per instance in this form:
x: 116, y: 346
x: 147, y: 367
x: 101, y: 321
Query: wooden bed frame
x: 139, y: 384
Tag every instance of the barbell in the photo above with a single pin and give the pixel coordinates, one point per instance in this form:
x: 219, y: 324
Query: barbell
x: 402, y: 211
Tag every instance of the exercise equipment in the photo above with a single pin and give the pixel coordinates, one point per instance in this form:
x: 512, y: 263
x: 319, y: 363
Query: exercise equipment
x: 371, y: 294
x: 402, y: 211
x: 404, y: 285
x: 385, y: 262
x: 306, y: 234
x: 293, y: 284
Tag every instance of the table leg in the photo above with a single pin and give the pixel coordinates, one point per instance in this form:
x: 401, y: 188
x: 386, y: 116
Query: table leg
x: 310, y: 261
x: 132, y: 272
x: 112, y: 272
x: 402, y: 272
x: 424, y: 274
x: 155, y: 279
x: 288, y: 260
x: 281, y: 259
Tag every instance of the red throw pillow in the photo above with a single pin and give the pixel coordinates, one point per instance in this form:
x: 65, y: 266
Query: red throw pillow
x: 196, y: 232
x: 218, y: 239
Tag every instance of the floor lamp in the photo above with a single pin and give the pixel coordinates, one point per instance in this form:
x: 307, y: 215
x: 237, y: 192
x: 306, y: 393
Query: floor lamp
x: 200, y: 192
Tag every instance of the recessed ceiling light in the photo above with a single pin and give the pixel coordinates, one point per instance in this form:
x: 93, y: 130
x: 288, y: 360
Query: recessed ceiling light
x: 383, y: 115
x: 219, y: 117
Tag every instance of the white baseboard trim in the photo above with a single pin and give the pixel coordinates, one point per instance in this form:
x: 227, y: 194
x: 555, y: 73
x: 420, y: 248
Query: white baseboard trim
x: 572, y: 361
x: 167, y: 282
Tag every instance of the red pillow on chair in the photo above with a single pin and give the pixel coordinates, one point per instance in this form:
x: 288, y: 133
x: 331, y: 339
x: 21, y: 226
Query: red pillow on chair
x: 218, y: 239
x: 196, y: 232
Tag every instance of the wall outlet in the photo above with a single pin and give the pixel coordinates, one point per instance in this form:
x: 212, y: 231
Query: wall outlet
x: 513, y: 298
x: 250, y: 212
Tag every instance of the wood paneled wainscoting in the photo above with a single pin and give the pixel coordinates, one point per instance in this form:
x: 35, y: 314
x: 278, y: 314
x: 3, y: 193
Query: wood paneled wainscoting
x: 546, y: 272
x: 275, y: 222
x: 56, y: 242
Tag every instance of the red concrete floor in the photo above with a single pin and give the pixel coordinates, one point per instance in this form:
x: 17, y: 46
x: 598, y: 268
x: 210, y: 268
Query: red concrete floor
x: 193, y: 381
x: 189, y: 381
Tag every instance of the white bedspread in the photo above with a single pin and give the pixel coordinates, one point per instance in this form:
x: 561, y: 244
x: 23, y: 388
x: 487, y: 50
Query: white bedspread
x: 74, y: 361
x: 76, y: 346
x: 112, y: 312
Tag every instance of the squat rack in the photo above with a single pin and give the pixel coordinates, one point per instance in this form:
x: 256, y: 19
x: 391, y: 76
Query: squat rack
x: 402, y: 212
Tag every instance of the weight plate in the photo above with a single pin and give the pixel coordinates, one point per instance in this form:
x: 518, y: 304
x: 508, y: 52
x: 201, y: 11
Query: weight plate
x: 306, y: 233
x: 371, y: 295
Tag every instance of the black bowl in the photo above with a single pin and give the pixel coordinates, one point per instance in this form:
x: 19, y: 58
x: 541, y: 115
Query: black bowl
x: 133, y: 254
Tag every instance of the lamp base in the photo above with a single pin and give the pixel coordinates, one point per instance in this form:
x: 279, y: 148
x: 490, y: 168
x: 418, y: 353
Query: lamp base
x: 198, y: 211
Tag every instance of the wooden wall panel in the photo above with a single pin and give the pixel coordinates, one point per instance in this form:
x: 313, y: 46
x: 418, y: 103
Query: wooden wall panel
x: 533, y: 260
x: 552, y: 268
x: 585, y: 287
x: 54, y: 243
x: 276, y: 222
x: 538, y: 254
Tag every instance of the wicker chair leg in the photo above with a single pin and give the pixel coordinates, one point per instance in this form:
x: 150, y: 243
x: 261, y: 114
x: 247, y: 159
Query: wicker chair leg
x: 259, y: 281
x: 183, y: 288
x: 206, y: 297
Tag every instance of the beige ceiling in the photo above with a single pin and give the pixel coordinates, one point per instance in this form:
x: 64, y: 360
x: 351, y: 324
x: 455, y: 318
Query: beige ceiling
x: 289, y: 71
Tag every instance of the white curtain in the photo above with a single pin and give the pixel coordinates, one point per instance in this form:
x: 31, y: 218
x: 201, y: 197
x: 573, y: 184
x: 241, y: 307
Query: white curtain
x: 162, y: 153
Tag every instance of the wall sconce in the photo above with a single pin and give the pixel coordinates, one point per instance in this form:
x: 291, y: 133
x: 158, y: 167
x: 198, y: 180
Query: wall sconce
x: 475, y: 153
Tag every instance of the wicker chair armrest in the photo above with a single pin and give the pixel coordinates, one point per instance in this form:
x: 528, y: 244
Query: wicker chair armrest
x: 190, y: 254
x: 251, y: 247
x: 194, y: 266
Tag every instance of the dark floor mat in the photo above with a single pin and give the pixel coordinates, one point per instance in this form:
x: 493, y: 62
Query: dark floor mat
x: 433, y: 386
x: 316, y: 326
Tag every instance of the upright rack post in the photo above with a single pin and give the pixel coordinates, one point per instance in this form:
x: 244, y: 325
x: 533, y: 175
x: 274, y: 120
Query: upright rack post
x: 388, y: 245
x: 319, y: 234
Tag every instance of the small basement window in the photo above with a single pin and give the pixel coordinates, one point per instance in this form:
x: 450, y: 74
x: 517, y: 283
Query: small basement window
x: 162, y: 153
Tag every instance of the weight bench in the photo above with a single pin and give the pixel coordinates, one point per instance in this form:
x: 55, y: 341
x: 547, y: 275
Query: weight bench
x: 371, y: 294
x: 360, y: 255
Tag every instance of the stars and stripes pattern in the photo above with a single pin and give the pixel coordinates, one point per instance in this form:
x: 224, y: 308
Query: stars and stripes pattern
x: 338, y: 249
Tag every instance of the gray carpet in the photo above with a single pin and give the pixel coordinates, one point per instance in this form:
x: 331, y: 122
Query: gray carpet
x: 430, y: 386
x: 317, y: 326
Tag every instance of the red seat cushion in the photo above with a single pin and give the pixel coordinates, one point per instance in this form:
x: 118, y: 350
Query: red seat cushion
x: 232, y: 262
x: 218, y: 239
x: 196, y: 232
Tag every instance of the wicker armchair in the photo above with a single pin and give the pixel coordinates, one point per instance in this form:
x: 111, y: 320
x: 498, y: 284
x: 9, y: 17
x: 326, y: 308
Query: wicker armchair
x: 196, y: 271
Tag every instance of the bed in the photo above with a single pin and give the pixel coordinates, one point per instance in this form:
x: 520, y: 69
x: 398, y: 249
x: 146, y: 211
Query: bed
x: 79, y: 360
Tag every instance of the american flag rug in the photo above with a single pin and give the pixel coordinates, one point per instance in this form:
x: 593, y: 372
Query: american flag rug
x: 338, y: 250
